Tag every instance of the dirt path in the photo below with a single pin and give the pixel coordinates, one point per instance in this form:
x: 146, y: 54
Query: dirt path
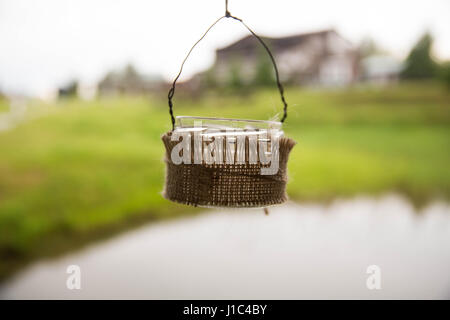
x: 16, y: 113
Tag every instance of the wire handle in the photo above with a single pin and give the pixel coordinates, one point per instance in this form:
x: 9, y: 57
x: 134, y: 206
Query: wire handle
x: 228, y: 15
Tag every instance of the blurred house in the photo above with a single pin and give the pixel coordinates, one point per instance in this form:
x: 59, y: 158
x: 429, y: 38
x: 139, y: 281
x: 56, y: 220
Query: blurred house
x: 319, y: 58
x: 128, y: 81
x: 380, y: 69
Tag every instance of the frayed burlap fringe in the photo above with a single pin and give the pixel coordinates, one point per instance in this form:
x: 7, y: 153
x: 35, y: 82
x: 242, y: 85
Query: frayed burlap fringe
x: 226, y: 185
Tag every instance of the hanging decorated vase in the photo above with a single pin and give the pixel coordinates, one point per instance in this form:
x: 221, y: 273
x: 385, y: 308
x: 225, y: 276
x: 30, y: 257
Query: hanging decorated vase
x: 219, y: 162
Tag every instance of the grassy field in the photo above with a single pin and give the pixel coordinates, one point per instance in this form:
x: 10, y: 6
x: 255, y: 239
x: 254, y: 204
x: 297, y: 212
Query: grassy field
x: 3, y: 105
x: 77, y: 170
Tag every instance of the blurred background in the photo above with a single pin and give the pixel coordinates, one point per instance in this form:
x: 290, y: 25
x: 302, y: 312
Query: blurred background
x: 83, y: 87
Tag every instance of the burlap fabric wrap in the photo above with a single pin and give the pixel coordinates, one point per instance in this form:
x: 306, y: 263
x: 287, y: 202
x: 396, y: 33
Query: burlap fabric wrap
x: 225, y: 185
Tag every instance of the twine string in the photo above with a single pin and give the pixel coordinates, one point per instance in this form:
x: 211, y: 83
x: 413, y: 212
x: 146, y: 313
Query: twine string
x: 228, y: 15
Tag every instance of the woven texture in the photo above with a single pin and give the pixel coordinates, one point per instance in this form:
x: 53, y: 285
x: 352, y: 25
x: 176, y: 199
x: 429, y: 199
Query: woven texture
x: 226, y: 185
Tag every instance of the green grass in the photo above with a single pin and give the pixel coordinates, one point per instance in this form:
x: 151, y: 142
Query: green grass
x: 372, y: 159
x: 4, y: 106
x: 76, y: 169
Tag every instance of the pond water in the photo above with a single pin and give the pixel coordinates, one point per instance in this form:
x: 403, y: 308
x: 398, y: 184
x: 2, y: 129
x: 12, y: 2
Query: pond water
x: 298, y: 251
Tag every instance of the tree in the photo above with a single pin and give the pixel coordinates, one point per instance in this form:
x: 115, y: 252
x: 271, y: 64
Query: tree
x: 70, y: 90
x: 209, y: 79
x: 419, y: 64
x: 368, y: 47
x: 130, y: 73
x: 235, y: 79
x: 264, y: 75
x: 444, y: 73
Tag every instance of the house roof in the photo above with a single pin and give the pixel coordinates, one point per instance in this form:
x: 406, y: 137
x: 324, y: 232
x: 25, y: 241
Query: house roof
x: 248, y: 43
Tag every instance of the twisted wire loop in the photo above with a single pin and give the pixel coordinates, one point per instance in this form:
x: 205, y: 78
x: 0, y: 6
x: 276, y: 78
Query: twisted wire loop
x: 277, y: 76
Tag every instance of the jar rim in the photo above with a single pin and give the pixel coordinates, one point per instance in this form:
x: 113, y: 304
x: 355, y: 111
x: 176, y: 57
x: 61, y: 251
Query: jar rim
x: 270, y: 122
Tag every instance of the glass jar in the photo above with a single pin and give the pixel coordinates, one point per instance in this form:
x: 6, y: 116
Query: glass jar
x: 229, y: 141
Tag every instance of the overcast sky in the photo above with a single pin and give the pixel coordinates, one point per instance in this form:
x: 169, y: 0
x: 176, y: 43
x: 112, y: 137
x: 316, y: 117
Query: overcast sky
x: 48, y: 42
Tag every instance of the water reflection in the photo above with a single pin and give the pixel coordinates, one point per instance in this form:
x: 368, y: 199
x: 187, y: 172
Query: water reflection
x: 298, y: 251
